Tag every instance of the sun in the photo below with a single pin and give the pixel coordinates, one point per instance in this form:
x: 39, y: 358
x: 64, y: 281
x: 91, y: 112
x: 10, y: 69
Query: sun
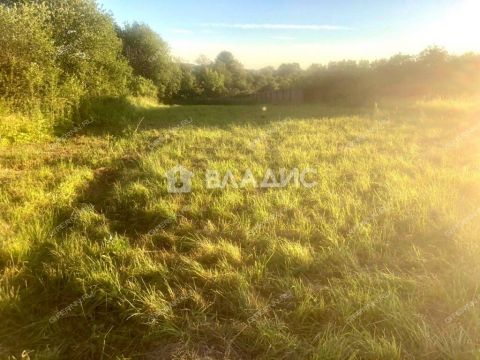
x: 459, y: 29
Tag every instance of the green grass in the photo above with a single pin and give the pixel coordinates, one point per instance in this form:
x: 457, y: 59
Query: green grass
x: 367, y: 264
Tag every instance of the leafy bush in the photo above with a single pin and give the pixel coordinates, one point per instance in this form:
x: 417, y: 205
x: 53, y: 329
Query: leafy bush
x: 88, y: 47
x: 139, y: 86
x: 18, y: 128
x: 28, y: 75
x: 56, y: 53
x: 150, y: 58
x: 108, y: 111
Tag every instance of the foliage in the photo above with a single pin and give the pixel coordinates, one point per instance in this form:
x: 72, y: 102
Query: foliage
x: 87, y: 46
x: 150, y: 58
x: 212, y: 82
x: 28, y: 73
x: 288, y: 75
x: 139, y: 86
x: 55, y: 53
x: 189, y: 85
x: 264, y: 79
x: 233, y: 73
x: 19, y: 128
x: 432, y: 73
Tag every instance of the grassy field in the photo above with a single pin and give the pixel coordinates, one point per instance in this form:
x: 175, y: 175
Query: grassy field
x: 378, y: 260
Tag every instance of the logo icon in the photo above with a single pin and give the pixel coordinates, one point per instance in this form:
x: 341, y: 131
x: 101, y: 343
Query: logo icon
x: 179, y: 180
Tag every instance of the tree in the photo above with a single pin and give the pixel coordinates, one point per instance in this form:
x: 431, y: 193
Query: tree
x: 60, y: 52
x: 264, y: 79
x: 288, y: 74
x: 139, y: 86
x: 234, y: 74
x: 434, y: 56
x: 189, y: 87
x: 27, y: 58
x: 203, y: 60
x: 211, y: 82
x: 88, y: 48
x: 150, y: 58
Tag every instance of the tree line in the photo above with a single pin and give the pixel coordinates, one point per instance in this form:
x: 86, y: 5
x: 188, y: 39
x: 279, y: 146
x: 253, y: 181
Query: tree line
x: 56, y: 54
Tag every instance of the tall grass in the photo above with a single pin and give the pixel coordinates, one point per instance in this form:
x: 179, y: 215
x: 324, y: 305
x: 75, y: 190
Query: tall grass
x: 368, y: 264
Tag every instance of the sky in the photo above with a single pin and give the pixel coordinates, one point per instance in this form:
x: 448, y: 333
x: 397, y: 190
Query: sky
x: 270, y: 32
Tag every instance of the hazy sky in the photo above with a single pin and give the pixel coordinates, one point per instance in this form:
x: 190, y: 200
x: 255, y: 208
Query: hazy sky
x: 267, y: 32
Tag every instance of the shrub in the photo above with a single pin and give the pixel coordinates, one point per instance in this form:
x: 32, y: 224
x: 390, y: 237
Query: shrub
x: 28, y: 74
x: 18, y: 128
x: 150, y: 58
x: 88, y: 47
x: 139, y: 86
x: 56, y: 53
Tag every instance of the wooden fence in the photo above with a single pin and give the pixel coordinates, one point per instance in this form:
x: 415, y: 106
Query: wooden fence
x: 280, y: 96
x: 287, y: 96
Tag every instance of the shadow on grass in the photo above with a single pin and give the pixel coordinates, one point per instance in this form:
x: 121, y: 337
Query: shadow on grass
x: 129, y: 215
x: 58, y: 313
x: 121, y: 116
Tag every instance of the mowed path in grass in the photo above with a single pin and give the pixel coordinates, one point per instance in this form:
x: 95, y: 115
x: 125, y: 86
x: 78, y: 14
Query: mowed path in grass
x: 378, y: 260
